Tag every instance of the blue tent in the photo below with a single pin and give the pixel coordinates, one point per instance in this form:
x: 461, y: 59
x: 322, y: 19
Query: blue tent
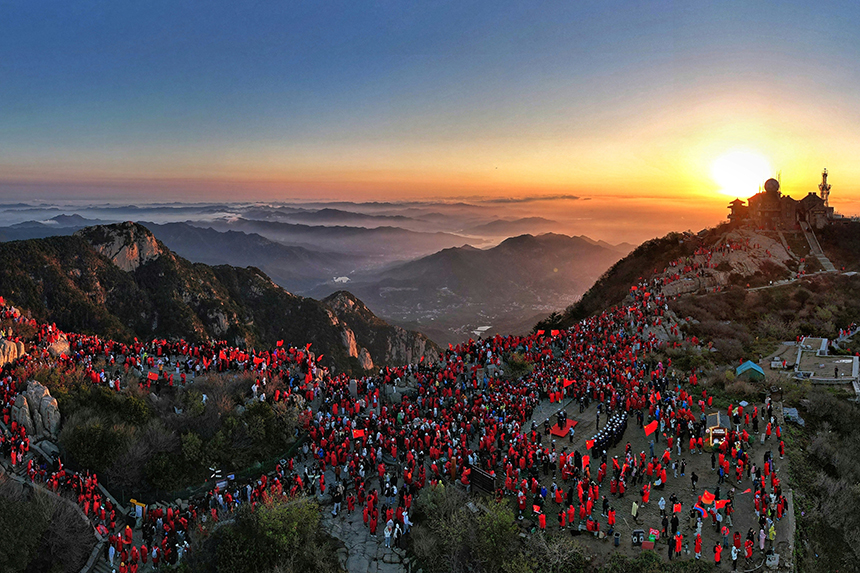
x: 750, y: 370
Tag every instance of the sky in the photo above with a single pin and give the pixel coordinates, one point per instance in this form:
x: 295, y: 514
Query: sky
x: 359, y: 100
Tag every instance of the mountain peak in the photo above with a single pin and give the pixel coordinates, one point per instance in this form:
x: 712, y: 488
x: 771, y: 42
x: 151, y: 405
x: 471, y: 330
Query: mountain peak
x: 128, y: 245
x: 345, y: 301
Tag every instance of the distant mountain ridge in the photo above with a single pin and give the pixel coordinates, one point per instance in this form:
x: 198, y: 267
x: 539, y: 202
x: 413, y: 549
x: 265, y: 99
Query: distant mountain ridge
x: 455, y: 290
x: 382, y: 243
x: 120, y: 281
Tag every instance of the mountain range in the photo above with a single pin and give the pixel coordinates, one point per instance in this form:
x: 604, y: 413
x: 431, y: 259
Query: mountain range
x: 120, y: 281
x: 448, y: 294
x: 456, y: 291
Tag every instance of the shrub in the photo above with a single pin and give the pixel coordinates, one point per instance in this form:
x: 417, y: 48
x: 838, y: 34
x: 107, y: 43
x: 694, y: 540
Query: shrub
x: 280, y: 534
x: 94, y: 442
x: 192, y: 448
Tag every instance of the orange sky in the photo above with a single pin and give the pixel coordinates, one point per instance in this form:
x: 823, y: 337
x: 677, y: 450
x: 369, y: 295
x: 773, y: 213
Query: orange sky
x: 429, y: 102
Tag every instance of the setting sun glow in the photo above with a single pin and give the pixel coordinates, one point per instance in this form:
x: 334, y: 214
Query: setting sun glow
x: 740, y: 172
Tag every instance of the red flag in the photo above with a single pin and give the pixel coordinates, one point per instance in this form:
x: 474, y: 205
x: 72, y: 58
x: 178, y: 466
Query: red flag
x: 567, y: 383
x: 585, y: 461
x: 536, y: 508
x: 421, y: 359
x: 676, y: 508
x: 308, y: 345
x: 707, y: 497
x: 320, y: 357
x: 589, y: 444
x: 746, y: 490
x: 358, y: 433
x: 540, y: 332
x: 280, y: 343
x: 553, y: 333
x: 721, y: 503
x: 651, y: 428
x: 152, y: 376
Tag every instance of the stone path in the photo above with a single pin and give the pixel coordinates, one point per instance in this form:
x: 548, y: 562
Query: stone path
x: 362, y: 552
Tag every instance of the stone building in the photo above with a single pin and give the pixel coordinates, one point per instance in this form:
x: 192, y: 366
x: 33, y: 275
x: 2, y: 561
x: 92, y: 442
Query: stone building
x: 770, y: 209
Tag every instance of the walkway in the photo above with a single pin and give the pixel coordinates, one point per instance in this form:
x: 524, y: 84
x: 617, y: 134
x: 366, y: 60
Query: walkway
x: 815, y: 248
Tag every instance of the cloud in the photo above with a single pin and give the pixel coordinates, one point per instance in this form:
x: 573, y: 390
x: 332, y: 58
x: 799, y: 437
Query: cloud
x: 532, y: 199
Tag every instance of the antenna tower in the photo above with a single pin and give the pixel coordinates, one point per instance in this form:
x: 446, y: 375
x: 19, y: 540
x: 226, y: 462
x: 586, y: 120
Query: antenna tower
x: 824, y: 188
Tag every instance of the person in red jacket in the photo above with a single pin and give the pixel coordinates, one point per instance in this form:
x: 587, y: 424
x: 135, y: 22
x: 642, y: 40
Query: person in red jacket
x: 698, y: 546
x: 718, y: 553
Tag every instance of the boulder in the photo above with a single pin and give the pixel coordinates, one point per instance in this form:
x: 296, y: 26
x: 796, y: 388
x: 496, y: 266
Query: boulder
x: 35, y: 392
x: 10, y: 351
x: 21, y: 414
x: 61, y: 346
x: 50, y: 411
x: 37, y: 411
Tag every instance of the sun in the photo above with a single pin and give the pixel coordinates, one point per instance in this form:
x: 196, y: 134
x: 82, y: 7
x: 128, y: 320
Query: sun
x: 740, y: 172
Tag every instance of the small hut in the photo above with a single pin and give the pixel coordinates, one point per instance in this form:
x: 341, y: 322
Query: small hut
x: 718, y: 425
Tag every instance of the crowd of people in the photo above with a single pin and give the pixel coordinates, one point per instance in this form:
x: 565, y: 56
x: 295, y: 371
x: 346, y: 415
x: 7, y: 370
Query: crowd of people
x: 452, y: 417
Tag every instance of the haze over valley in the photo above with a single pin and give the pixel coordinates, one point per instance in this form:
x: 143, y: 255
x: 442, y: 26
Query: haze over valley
x: 443, y: 268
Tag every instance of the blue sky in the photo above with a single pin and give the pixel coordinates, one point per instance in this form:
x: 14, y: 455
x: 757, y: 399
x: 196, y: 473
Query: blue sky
x: 376, y: 99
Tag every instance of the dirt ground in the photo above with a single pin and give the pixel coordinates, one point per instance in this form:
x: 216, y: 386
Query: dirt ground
x: 649, y: 515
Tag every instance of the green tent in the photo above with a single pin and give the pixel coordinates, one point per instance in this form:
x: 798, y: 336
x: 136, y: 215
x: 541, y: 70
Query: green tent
x: 750, y: 370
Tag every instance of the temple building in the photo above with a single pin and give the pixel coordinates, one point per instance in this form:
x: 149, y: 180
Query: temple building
x: 770, y: 209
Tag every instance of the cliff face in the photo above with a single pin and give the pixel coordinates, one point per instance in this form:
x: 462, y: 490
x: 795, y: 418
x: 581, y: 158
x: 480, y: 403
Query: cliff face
x: 119, y: 281
x: 387, y: 343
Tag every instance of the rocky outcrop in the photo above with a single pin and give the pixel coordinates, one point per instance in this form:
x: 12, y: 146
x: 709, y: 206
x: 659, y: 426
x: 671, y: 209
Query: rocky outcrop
x: 37, y: 411
x: 10, y: 351
x: 382, y: 343
x: 128, y: 245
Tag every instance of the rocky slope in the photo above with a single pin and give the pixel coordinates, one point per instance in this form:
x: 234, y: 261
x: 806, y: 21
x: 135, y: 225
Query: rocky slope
x: 389, y: 344
x: 687, y: 263
x: 120, y: 281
